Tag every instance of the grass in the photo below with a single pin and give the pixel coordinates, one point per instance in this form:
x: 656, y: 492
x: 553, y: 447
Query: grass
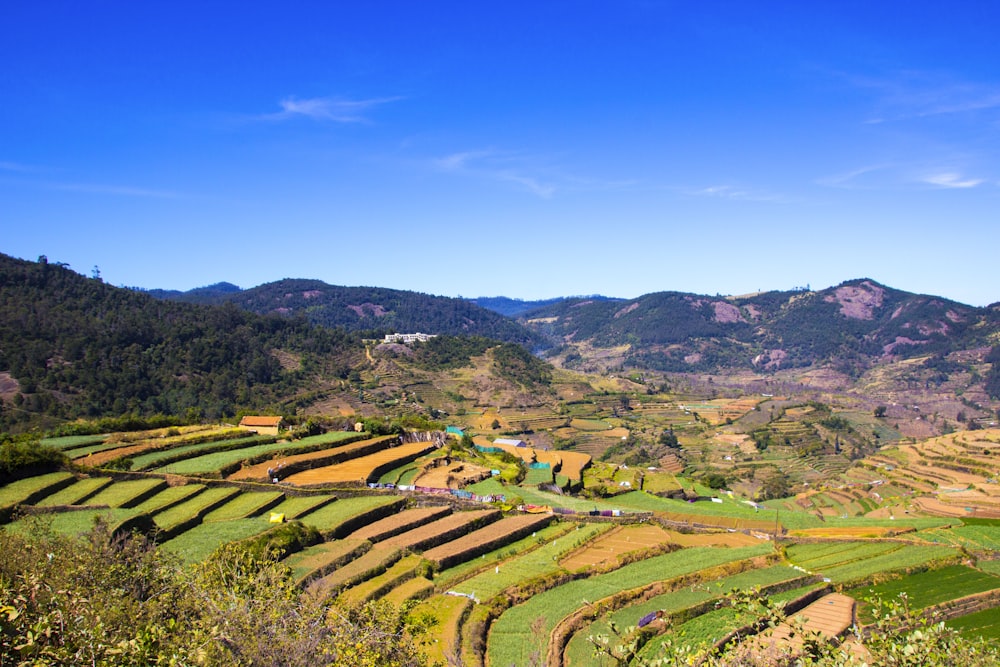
x: 450, y: 576
x: 74, y: 493
x: 189, y: 508
x: 215, y: 461
x: 196, y: 544
x: 498, y: 577
x: 523, y: 630
x: 857, y: 560
x: 22, y: 490
x: 245, y: 505
x: 76, y: 522
x: 120, y: 494
x: 169, y: 496
x: 153, y: 458
x: 71, y: 441
x: 580, y: 650
x: 296, y: 507
x: 931, y: 587
x: 311, y: 559
x: 984, y: 624
x: 333, y: 515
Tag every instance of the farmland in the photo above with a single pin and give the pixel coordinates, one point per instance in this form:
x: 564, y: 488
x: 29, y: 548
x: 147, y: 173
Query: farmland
x: 508, y: 585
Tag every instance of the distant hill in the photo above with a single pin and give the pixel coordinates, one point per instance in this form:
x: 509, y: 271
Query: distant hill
x: 72, y: 346
x: 205, y: 295
x: 517, y: 307
x: 370, y: 309
x: 850, y: 326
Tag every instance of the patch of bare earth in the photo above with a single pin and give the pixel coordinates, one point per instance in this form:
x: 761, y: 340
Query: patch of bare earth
x: 858, y: 301
x: 8, y: 386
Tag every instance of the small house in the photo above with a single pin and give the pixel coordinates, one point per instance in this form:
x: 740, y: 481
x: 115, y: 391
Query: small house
x: 263, y: 425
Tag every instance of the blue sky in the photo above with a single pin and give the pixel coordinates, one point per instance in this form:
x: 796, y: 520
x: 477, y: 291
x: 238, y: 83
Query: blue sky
x: 526, y: 149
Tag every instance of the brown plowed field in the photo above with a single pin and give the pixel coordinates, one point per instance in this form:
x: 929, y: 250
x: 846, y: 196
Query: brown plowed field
x: 398, y: 523
x: 359, y: 469
x: 452, y: 476
x: 829, y: 616
x: 259, y: 471
x: 573, y: 464
x: 417, y: 538
x: 607, y: 547
x: 726, y: 539
x: 492, y: 534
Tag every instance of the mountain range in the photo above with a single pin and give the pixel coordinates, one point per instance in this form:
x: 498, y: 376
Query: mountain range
x: 73, y: 346
x: 850, y: 326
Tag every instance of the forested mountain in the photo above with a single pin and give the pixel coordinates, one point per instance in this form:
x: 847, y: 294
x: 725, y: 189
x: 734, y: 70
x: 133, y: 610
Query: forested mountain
x: 72, y: 346
x: 850, y: 326
x: 370, y: 309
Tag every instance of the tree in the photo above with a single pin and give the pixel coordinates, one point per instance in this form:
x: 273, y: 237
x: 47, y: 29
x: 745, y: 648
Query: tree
x: 669, y: 439
x: 880, y: 411
x: 775, y: 486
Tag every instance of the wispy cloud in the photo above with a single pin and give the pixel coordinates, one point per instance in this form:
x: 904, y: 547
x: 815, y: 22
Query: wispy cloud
x: 332, y: 109
x: 107, y: 189
x: 952, y: 180
x: 737, y: 193
x: 500, y: 166
x: 17, y: 167
x: 920, y: 94
x: 853, y: 178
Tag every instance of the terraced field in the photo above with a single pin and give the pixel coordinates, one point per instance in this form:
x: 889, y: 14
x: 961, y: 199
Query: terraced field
x: 551, y: 578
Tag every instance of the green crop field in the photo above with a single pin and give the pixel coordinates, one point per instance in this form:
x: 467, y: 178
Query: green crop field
x: 245, y: 505
x: 850, y: 561
x: 19, y: 491
x: 119, y: 494
x: 580, y: 650
x: 931, y: 587
x: 215, y: 461
x: 447, y: 578
x: 536, y: 476
x: 72, y: 494
x: 523, y: 630
x: 196, y: 544
x: 74, y: 523
x: 330, y: 516
x: 66, y: 442
x: 975, y: 537
x: 169, y: 496
x: 183, y: 511
x: 296, y: 507
x: 153, y: 458
x: 985, y: 624
x: 543, y: 560
x: 319, y: 556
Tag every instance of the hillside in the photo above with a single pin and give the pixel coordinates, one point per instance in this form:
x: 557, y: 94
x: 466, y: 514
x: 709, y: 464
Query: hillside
x: 72, y: 346
x: 369, y: 309
x: 850, y: 327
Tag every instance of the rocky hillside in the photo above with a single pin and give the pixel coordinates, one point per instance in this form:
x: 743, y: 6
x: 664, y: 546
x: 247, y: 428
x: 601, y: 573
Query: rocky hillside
x: 850, y: 327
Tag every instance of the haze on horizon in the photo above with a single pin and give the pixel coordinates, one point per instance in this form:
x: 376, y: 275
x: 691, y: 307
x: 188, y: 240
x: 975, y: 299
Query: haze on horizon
x: 528, y: 150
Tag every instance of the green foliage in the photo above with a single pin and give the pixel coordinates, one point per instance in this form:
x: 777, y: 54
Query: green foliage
x: 116, y: 600
x: 23, y: 456
x: 375, y: 310
x: 110, y: 351
x: 896, y: 638
x: 514, y: 363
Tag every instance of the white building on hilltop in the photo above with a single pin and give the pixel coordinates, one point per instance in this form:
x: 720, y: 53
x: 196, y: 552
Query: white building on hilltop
x: 408, y: 338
